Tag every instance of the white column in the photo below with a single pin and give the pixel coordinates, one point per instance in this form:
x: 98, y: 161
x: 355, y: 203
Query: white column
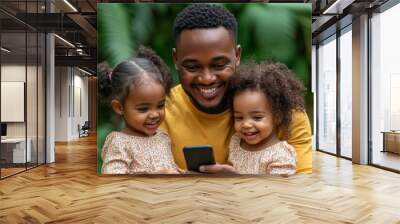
x: 360, y: 90
x: 50, y: 99
x: 50, y: 92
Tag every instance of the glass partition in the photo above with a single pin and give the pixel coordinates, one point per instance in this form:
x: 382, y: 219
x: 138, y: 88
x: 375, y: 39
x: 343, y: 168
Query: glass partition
x: 14, y: 145
x: 385, y: 89
x: 327, y: 95
x: 346, y: 92
x: 22, y: 88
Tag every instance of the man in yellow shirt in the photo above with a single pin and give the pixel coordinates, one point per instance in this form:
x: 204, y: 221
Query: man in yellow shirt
x: 206, y: 55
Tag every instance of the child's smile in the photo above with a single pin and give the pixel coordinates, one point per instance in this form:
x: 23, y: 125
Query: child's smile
x: 152, y: 124
x: 253, y: 119
x: 250, y: 136
x: 144, y: 108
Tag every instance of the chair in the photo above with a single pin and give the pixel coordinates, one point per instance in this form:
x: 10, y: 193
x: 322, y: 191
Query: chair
x: 84, y: 130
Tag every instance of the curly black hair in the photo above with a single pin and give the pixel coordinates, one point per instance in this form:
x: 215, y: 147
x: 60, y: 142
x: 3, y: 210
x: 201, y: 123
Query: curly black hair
x: 279, y: 84
x: 204, y: 16
x: 115, y: 84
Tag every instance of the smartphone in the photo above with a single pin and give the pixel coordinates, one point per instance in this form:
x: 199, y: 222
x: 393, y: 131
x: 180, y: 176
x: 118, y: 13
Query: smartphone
x: 197, y: 156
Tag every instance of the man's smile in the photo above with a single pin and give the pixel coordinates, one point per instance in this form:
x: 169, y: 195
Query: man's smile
x: 210, y: 92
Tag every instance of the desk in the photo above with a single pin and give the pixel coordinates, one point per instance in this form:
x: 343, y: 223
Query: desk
x: 391, y: 141
x: 16, y: 147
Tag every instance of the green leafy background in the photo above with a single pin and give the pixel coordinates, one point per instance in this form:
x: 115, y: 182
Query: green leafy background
x: 275, y: 31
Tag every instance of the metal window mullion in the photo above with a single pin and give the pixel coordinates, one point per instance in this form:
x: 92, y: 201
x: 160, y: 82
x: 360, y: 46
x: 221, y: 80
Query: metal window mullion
x: 338, y: 93
x: 45, y: 93
x: 369, y: 78
x: 317, y: 96
x: 0, y: 91
x: 73, y: 91
x: 37, y: 91
x: 26, y: 87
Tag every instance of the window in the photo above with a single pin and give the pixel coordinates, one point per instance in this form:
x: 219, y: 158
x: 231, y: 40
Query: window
x: 327, y: 95
x: 346, y: 92
x: 385, y: 87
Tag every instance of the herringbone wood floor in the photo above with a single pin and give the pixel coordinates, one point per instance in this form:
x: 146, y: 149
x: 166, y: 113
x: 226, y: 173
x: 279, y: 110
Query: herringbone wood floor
x: 70, y: 191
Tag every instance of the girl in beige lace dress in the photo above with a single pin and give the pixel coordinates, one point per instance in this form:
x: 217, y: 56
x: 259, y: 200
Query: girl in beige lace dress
x: 264, y: 96
x: 137, y: 89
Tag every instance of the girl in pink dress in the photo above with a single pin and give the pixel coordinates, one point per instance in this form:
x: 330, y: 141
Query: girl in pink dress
x: 137, y: 89
x: 263, y: 99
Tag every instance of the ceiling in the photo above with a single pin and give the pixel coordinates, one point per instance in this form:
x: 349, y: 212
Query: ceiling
x: 72, y: 20
x: 75, y: 21
x: 330, y: 15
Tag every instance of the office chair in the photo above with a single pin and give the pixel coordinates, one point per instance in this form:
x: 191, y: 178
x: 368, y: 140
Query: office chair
x: 84, y: 130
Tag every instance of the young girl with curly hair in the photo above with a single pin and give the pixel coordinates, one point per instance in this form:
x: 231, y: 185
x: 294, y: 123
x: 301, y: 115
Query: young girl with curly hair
x: 136, y: 90
x: 263, y: 98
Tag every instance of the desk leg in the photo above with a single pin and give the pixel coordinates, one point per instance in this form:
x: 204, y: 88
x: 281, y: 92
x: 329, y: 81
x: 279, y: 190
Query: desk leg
x: 384, y: 142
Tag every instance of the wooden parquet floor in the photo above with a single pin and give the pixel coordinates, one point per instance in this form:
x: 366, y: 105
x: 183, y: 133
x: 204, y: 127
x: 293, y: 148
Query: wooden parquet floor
x: 10, y: 171
x: 70, y: 191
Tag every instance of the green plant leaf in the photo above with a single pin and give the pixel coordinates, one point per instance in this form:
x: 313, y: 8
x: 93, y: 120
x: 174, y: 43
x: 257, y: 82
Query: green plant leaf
x: 114, y: 33
x: 272, y: 30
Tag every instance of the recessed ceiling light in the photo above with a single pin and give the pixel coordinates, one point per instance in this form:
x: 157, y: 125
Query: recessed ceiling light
x: 337, y: 7
x: 86, y: 72
x: 5, y: 50
x: 64, y: 40
x: 71, y: 6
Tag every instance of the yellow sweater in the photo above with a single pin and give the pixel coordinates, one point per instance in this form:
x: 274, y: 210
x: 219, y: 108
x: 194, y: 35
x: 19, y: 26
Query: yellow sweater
x: 186, y: 125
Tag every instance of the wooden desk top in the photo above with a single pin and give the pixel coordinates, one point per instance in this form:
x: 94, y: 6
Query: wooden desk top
x: 13, y: 140
x: 391, y: 132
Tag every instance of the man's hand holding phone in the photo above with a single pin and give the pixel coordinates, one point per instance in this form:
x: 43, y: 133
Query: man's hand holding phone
x: 201, y: 159
x: 197, y: 156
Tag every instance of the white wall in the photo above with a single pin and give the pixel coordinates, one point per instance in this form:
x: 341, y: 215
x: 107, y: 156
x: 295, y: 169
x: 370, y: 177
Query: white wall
x: 14, y: 73
x: 34, y: 124
x: 80, y: 110
x: 62, y: 81
x: 71, y: 94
